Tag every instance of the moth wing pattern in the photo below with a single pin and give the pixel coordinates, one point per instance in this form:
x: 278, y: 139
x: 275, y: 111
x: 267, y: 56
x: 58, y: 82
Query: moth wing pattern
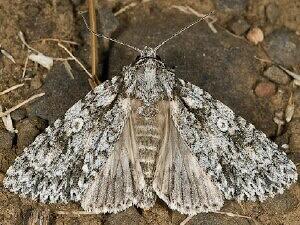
x: 241, y: 160
x: 58, y: 164
x: 180, y: 180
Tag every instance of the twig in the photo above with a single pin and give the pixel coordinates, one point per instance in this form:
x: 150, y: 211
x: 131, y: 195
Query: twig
x: 7, y: 55
x: 25, y: 67
x: 11, y: 89
x: 233, y: 215
x: 186, y: 220
x: 94, y: 42
x: 263, y: 60
x: 21, y: 104
x: 8, y: 124
x: 292, y: 74
x: 22, y: 38
x: 74, y: 213
x: 125, y: 8
x: 56, y: 40
x: 76, y: 60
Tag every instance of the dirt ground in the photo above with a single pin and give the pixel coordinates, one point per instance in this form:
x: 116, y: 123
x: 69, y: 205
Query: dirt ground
x: 233, y: 69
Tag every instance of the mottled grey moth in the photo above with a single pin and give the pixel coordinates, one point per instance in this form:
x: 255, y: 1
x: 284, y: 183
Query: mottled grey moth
x: 146, y: 134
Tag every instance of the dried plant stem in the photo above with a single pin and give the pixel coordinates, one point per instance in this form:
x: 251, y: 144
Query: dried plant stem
x: 76, y: 60
x: 94, y: 42
x: 11, y: 89
x: 21, y: 104
x: 125, y: 8
x: 186, y: 220
x: 74, y: 213
x: 56, y: 40
x: 233, y: 215
x: 25, y: 66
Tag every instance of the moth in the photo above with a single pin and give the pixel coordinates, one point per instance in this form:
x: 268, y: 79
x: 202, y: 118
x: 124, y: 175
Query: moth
x: 146, y: 135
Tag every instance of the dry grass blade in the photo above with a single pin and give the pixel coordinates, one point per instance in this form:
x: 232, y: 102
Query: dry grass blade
x: 125, y: 8
x: 74, y: 213
x: 210, y: 20
x: 11, y: 89
x: 22, y: 38
x: 186, y: 220
x: 7, y: 55
x: 56, y: 40
x: 42, y: 59
x: 7, y: 121
x: 68, y: 69
x: 76, y: 60
x: 2, y: 114
x: 296, y: 82
x: 290, y: 109
x: 292, y: 74
x: 25, y: 67
x: 234, y: 215
x: 94, y: 41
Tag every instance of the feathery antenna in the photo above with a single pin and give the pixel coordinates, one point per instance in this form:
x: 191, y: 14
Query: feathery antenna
x: 105, y: 37
x: 182, y: 30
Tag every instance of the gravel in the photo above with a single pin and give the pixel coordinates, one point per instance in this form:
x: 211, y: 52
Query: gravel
x: 276, y: 75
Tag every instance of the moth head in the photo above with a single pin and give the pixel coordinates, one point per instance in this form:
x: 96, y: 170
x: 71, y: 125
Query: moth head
x: 147, y: 54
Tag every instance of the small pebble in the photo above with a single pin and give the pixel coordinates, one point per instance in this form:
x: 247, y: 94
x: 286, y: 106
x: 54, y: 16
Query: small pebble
x: 6, y: 140
x: 239, y: 26
x: 18, y: 114
x: 265, y: 89
x: 272, y: 12
x: 255, y: 35
x: 282, y: 46
x: 277, y: 75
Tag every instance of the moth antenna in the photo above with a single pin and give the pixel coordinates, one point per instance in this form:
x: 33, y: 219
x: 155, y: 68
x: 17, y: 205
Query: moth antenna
x: 109, y: 38
x: 182, y: 30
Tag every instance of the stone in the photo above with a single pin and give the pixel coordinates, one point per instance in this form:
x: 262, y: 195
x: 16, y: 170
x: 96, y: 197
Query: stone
x: 231, y: 5
x: 276, y: 75
x: 283, y: 47
x: 62, y: 93
x: 255, y: 35
x: 18, y: 114
x: 28, y: 129
x: 6, y: 140
x: 265, y: 89
x: 239, y: 26
x: 130, y: 216
x: 272, y: 12
x: 36, y: 82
